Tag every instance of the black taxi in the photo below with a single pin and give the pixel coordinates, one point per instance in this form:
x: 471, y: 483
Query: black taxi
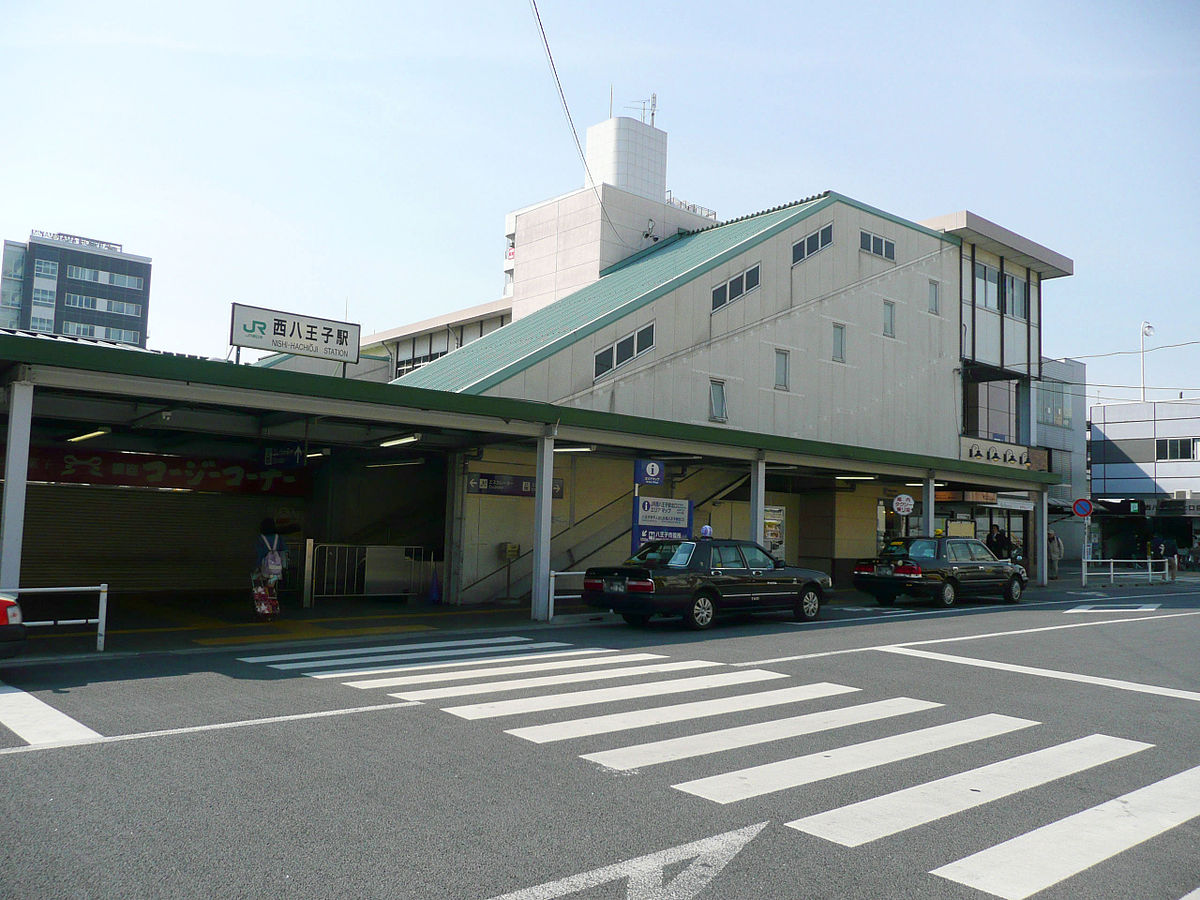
x: 941, y: 568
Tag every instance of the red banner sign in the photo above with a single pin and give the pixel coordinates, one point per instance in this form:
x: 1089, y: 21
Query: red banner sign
x: 152, y: 470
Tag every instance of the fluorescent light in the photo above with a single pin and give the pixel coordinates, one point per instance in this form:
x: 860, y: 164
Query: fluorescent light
x: 398, y: 462
x: 854, y: 477
x: 103, y: 429
x: 585, y: 449
x: 396, y: 442
x: 675, y: 458
x: 318, y: 453
x: 936, y: 484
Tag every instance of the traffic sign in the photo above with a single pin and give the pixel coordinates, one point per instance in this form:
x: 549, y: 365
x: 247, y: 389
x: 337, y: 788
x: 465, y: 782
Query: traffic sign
x: 1082, y: 507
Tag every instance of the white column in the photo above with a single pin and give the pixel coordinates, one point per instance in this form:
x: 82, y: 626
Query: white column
x: 544, y: 488
x: 758, y: 494
x: 1041, y: 529
x: 16, y: 475
x: 927, y: 506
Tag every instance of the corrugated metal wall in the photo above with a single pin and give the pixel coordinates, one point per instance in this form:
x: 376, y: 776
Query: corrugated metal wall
x: 142, y: 540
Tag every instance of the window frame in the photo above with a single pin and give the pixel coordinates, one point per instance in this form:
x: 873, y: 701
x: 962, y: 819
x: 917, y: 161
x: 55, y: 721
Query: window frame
x: 935, y: 297
x: 799, y: 248
x: 887, y: 247
x: 611, y: 349
x: 839, y: 338
x: 783, y: 384
x: 889, y: 318
x: 716, y: 386
x: 726, y: 288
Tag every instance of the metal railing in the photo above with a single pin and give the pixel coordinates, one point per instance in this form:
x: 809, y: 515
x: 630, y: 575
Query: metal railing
x: 1115, y: 567
x: 101, y: 620
x: 362, y: 570
x: 554, y: 576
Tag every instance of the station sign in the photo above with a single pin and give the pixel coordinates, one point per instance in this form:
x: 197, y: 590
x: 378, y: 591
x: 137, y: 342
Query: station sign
x: 648, y: 471
x: 503, y: 485
x: 284, y: 332
x: 660, y: 519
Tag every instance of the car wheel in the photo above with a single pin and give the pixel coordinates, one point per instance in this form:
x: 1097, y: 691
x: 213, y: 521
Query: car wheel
x: 1012, y: 590
x: 635, y: 619
x: 808, y: 604
x: 948, y: 594
x: 701, y: 613
x: 885, y: 599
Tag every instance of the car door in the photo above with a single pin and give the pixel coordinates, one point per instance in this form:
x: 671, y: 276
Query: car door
x: 728, y: 574
x: 992, y: 572
x: 961, y: 566
x: 766, y: 586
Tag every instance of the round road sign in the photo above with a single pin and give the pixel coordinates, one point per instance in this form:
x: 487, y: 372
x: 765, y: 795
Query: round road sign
x: 903, y: 504
x: 1082, y: 507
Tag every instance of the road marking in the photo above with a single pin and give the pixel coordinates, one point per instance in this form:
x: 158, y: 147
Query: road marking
x: 688, y: 746
x: 879, y: 817
x: 790, y: 773
x: 36, y: 722
x: 608, y: 695
x: 1113, y: 607
x: 196, y: 729
x: 520, y: 684
x: 968, y: 637
x: 318, y: 654
x: 426, y: 666
x: 680, y: 712
x: 1048, y: 673
x: 647, y: 874
x: 405, y: 657
x: 400, y: 681
x: 1045, y: 856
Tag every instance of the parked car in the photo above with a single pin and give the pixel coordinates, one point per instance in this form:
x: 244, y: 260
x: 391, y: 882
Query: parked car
x: 700, y: 579
x: 12, y: 626
x: 942, y: 568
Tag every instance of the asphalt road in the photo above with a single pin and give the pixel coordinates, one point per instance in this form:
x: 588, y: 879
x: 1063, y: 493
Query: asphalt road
x: 1040, y: 750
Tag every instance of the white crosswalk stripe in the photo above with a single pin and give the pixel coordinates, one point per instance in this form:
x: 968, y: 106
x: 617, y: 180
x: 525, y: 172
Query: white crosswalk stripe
x: 681, y: 712
x: 545, y: 702
x: 870, y: 820
x: 429, y: 665
x: 400, y: 681
x: 692, y: 745
x: 357, y: 651
x: 790, y: 773
x: 36, y: 722
x: 405, y: 657
x: 1021, y: 867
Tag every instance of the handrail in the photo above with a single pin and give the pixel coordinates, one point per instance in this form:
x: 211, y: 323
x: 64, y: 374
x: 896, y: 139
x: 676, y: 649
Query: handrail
x: 1150, y: 564
x: 100, y: 621
x: 554, y: 575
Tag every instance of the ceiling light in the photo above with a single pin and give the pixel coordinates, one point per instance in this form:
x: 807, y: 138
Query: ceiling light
x: 677, y: 458
x: 103, y: 429
x: 936, y: 484
x: 398, y: 462
x: 854, y: 477
x: 316, y: 454
x: 587, y: 448
x: 396, y: 442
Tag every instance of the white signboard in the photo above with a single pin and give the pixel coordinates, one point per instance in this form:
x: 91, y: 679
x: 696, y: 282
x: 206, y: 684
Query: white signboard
x: 282, y: 332
x: 659, y: 512
x: 903, y: 504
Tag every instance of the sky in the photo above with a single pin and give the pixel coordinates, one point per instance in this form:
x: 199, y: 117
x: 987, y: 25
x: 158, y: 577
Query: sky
x: 356, y: 162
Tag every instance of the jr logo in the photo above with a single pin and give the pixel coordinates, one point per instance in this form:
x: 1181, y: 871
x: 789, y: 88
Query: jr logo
x: 256, y: 327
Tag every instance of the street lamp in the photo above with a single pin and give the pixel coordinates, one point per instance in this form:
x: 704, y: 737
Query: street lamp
x: 1147, y: 331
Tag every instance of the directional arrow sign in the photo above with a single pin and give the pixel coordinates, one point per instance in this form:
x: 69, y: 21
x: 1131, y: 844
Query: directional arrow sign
x: 647, y: 879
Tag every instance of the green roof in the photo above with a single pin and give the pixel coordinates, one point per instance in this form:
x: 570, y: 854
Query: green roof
x: 621, y: 290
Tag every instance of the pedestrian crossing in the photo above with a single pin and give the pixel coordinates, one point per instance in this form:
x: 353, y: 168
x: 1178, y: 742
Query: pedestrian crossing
x: 622, y: 695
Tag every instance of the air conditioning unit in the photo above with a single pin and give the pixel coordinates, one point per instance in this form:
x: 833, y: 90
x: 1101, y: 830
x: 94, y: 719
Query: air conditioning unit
x: 1182, y: 495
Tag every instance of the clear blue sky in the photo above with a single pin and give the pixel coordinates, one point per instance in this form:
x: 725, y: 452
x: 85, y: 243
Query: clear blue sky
x: 315, y: 158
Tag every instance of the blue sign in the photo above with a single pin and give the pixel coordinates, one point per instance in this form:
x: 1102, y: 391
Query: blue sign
x: 660, y: 519
x: 1082, y: 507
x: 648, y: 471
x: 289, y: 456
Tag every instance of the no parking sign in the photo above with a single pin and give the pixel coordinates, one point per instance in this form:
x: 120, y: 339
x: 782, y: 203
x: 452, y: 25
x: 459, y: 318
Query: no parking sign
x: 1082, y: 507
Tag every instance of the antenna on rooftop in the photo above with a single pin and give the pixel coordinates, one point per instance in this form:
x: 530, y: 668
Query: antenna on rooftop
x: 653, y: 101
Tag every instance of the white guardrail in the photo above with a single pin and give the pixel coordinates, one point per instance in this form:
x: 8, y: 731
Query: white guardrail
x: 553, y: 576
x: 1135, y: 567
x: 101, y: 618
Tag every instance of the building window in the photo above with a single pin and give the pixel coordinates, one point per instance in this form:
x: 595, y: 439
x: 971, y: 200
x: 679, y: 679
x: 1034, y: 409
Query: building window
x: 79, y: 273
x: 1054, y: 404
x: 79, y: 328
x: 889, y: 318
x: 987, y: 286
x: 876, y: 245
x: 118, y: 307
x: 616, y: 354
x: 716, y: 401
x: 781, y: 370
x: 810, y: 244
x: 46, y: 267
x: 43, y: 297
x: 1016, y: 300
x: 735, y: 287
x: 1175, y: 448
x: 935, y: 305
x: 41, y: 323
x: 839, y: 343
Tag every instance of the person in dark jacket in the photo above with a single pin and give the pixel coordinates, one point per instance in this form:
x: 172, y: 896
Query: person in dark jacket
x: 997, y: 542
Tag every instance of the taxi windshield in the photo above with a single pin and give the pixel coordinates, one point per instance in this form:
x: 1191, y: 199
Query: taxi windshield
x: 918, y: 548
x: 676, y: 554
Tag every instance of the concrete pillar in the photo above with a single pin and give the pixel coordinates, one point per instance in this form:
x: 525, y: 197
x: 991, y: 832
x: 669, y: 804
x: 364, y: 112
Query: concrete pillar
x: 927, y: 485
x: 16, y: 476
x: 543, y: 497
x: 758, y: 495
x: 1041, y: 530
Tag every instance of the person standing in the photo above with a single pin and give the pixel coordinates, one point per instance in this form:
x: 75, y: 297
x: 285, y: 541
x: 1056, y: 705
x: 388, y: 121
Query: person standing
x: 1171, y: 552
x: 1054, y: 552
x: 997, y: 542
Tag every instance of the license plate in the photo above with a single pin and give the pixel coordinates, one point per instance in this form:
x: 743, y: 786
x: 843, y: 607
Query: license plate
x: 883, y: 570
x: 614, y: 585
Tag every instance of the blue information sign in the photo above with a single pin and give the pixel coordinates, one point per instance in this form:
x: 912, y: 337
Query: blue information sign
x: 648, y: 471
x: 660, y: 519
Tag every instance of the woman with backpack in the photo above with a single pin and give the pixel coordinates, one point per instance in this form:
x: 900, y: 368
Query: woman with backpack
x: 271, y: 560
